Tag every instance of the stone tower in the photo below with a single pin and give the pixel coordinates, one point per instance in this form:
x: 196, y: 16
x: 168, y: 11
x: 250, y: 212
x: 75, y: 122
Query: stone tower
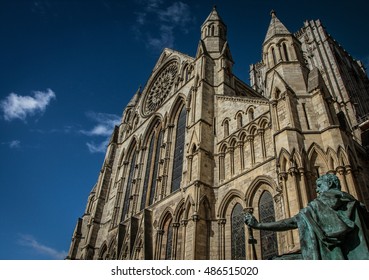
x: 197, y: 145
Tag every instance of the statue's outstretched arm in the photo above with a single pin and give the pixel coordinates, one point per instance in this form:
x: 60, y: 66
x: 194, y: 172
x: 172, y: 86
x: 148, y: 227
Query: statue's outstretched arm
x: 281, y: 225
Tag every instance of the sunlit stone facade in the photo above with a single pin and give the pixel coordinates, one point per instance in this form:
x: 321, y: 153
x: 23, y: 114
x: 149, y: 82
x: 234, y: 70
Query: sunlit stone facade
x: 197, y: 146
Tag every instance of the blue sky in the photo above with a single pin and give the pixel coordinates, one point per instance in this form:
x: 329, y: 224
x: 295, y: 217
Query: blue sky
x: 67, y: 70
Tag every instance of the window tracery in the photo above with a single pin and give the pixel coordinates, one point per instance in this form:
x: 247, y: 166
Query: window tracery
x: 268, y: 239
x: 238, y: 245
x: 179, y: 150
x: 160, y: 88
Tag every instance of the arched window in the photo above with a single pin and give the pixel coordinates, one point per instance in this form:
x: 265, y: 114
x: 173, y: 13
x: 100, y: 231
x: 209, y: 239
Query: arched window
x: 168, y: 249
x: 238, y: 234
x: 152, y: 168
x: 212, y: 30
x: 221, y: 163
x: 167, y: 239
x: 178, y: 150
x: 226, y: 128
x: 155, y: 174
x: 129, y: 184
x: 274, y: 57
x: 251, y: 114
x: 268, y: 239
x: 285, y: 51
x: 239, y: 120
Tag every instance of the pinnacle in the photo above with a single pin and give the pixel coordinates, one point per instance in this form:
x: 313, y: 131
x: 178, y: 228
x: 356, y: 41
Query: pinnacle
x: 276, y: 27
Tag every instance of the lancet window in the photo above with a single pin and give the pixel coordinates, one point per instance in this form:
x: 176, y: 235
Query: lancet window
x: 179, y: 150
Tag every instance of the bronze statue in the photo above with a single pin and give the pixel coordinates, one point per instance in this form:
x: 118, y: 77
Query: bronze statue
x: 334, y: 226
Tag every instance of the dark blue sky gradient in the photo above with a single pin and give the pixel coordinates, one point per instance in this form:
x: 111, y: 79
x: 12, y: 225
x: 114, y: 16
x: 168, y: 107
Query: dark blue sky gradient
x: 93, y: 55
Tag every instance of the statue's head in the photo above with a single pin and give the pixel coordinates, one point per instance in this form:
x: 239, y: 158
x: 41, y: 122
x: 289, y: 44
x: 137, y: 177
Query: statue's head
x: 327, y: 182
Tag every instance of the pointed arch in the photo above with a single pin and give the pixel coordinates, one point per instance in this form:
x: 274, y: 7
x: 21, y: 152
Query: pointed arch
x: 225, y: 124
x: 131, y: 160
x: 239, y: 118
x: 188, y: 207
x: 231, y: 222
x: 268, y: 239
x: 112, y: 248
x: 297, y: 158
x: 179, y: 145
x: 258, y: 185
x: 166, y: 235
x: 178, y: 211
x: 318, y: 163
x: 203, y: 226
x: 238, y: 237
x: 153, y: 142
x: 156, y: 120
x: 284, y: 160
x: 342, y: 157
x: 332, y: 158
x: 231, y: 195
x: 179, y: 102
x: 103, y: 251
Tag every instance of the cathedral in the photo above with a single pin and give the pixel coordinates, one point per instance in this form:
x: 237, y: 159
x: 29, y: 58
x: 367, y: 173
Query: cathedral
x: 197, y: 146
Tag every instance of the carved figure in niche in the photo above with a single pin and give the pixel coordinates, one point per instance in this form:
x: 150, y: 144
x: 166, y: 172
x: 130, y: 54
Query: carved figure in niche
x: 334, y: 226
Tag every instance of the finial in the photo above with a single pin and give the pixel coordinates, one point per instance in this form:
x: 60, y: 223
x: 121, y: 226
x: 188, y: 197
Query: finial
x: 272, y: 13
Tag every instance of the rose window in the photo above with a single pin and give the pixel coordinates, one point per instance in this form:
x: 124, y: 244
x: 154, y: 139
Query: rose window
x: 160, y: 88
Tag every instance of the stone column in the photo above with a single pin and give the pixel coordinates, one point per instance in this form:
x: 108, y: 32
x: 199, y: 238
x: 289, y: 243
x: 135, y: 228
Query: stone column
x: 250, y: 139
x: 242, y: 156
x: 262, y: 142
x: 341, y: 175
x: 183, y: 225
x: 221, y: 237
x: 283, y: 178
x: 159, y: 240
x: 351, y: 185
x: 274, y: 104
x: 195, y: 219
x: 231, y: 157
x: 221, y: 167
x: 293, y: 171
x: 175, y: 240
x: 305, y: 192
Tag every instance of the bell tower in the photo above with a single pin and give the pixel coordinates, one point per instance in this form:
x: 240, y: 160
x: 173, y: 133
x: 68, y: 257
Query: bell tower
x: 214, y: 33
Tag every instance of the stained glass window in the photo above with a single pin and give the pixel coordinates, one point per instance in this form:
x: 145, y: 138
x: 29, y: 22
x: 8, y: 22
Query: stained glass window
x: 129, y: 185
x: 268, y: 239
x: 238, y: 234
x: 168, y: 249
x: 178, y: 150
x: 155, y: 171
x: 147, y: 172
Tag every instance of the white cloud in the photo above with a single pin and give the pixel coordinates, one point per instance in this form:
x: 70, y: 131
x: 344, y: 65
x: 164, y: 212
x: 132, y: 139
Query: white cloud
x: 164, y: 17
x: 177, y: 14
x: 166, y: 39
x: 97, y: 147
x: 20, y: 107
x: 14, y: 144
x: 29, y: 241
x: 104, y: 128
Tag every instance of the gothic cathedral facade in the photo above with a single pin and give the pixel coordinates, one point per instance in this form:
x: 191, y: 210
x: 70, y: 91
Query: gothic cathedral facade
x: 197, y: 146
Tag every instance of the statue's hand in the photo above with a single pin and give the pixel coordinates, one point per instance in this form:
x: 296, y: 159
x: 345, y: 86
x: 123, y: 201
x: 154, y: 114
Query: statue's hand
x: 250, y: 220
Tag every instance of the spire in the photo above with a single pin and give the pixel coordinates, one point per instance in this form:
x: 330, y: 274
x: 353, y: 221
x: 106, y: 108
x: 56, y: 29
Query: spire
x: 213, y: 32
x: 213, y: 16
x: 276, y: 27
